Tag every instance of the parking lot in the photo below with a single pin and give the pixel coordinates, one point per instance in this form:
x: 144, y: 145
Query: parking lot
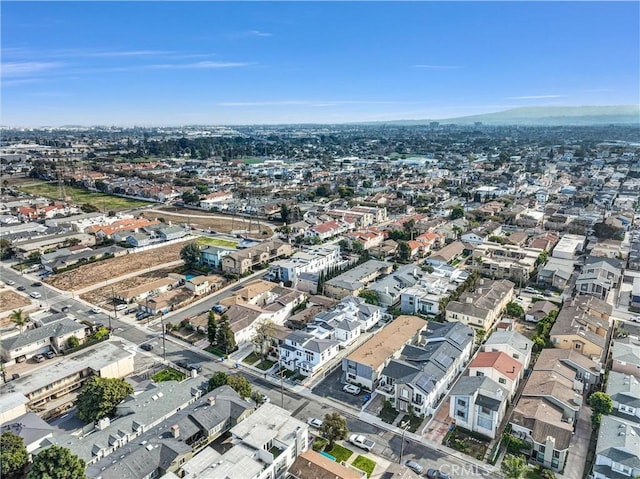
x: 331, y: 386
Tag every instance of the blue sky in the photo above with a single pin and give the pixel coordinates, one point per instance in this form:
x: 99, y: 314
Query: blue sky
x: 166, y: 63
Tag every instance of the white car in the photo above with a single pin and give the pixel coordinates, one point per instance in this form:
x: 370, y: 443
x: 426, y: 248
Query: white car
x: 635, y: 319
x: 315, y: 422
x: 95, y: 310
x: 362, y: 442
x: 35, y: 295
x: 351, y: 389
x: 10, y: 282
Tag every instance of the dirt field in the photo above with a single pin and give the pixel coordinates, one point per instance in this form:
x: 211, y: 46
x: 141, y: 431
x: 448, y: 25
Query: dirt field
x: 201, y: 220
x: 90, y: 274
x: 100, y: 295
x: 10, y: 300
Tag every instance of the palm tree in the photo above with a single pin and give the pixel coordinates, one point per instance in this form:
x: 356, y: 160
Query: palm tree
x: 514, y: 467
x: 17, y: 316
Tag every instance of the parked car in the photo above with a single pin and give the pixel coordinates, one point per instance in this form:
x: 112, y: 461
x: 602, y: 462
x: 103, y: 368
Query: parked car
x: 131, y: 310
x: 181, y: 363
x: 414, y: 466
x: 635, y: 319
x: 36, y: 284
x: 95, y: 310
x: 147, y: 346
x: 10, y: 282
x: 195, y: 367
x: 435, y: 474
x: 21, y: 288
x: 35, y: 295
x: 38, y: 358
x: 361, y: 441
x: 120, y: 307
x: 50, y: 354
x: 315, y: 422
x: 351, y: 389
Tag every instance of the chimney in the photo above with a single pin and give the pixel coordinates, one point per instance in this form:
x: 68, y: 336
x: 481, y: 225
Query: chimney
x: 211, y: 400
x: 175, y: 431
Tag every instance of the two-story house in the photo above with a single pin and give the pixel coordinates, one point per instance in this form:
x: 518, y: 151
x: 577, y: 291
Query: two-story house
x: 617, y: 450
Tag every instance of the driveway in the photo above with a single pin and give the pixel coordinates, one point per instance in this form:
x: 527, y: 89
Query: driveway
x: 331, y: 387
x: 438, y: 426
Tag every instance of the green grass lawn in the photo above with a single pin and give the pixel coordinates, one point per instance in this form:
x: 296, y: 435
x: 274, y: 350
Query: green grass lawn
x: 204, y: 241
x: 414, y: 422
x: 101, y: 201
x: 168, y: 374
x: 265, y: 365
x: 214, y: 350
x: 341, y: 453
x: 364, y: 464
x: 251, y: 358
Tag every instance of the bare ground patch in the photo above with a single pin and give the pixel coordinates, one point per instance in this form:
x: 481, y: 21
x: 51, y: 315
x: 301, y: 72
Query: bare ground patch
x: 10, y: 300
x: 202, y: 220
x: 100, y: 295
x: 91, y: 274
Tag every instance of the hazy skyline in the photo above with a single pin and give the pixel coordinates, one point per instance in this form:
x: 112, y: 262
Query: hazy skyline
x: 165, y: 63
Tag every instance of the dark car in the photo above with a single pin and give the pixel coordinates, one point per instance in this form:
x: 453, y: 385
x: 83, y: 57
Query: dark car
x: 36, y: 283
x: 182, y: 363
x: 147, y: 346
x: 435, y: 474
x: 21, y: 288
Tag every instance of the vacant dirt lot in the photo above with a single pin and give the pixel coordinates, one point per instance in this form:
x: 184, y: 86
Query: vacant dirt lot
x: 201, y: 220
x: 90, y: 274
x: 100, y: 295
x: 10, y: 300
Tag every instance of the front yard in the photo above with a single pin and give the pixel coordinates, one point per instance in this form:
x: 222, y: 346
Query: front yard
x: 364, y: 464
x: 467, y: 442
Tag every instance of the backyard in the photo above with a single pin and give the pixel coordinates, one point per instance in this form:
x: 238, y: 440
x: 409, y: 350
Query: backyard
x: 168, y: 374
x: 205, y: 241
x: 101, y: 201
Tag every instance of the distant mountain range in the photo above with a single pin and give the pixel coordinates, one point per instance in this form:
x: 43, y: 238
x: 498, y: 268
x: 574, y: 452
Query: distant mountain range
x: 547, y: 116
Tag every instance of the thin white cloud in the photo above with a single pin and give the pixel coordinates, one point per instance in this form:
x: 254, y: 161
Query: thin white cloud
x: 204, y: 65
x: 258, y: 33
x: 308, y: 103
x: 534, y: 97
x: 437, y: 67
x: 19, y: 81
x: 17, y: 69
x: 120, y: 53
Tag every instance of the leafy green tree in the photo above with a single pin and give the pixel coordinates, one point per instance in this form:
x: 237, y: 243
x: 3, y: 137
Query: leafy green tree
x: 100, y: 396
x: 514, y: 467
x: 404, y: 251
x: 73, y: 342
x: 190, y: 254
x: 261, y: 339
x: 285, y: 213
x: 18, y: 317
x: 601, y: 403
x: 212, y: 327
x: 334, y: 428
x: 257, y: 397
x: 369, y: 296
x: 225, y: 338
x: 515, y: 310
x: 240, y: 385
x: 5, y: 249
x: 191, y: 197
x: 13, y: 455
x: 218, y: 379
x: 456, y: 213
x: 57, y: 462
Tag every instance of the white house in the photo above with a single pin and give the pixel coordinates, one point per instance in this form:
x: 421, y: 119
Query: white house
x: 478, y: 404
x: 307, y: 354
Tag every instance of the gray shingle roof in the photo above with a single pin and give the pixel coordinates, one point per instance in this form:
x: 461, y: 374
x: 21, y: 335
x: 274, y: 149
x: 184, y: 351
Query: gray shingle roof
x: 53, y: 330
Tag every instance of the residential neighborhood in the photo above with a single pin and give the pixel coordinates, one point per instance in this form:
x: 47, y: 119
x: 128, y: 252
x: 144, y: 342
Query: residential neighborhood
x: 449, y: 305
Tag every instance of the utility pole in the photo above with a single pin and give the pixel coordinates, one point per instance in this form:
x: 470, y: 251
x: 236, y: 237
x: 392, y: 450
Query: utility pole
x: 404, y: 426
x: 281, y: 382
x: 115, y: 311
x: 164, y: 347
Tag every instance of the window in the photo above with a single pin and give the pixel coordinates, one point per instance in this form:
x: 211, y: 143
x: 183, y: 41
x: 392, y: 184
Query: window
x: 541, y: 448
x: 516, y: 356
x: 577, y: 345
x: 556, y: 454
x: 502, y: 380
x: 479, y: 373
x: 485, y: 410
x: 461, y: 414
x: 462, y: 402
